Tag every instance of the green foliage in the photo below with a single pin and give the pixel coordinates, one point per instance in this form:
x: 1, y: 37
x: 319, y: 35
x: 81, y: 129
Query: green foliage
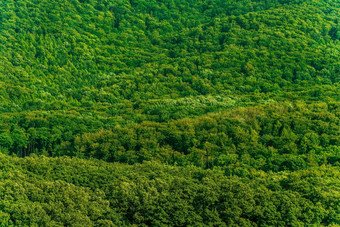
x: 70, y: 191
x: 175, y: 112
x: 100, y: 53
x: 72, y: 68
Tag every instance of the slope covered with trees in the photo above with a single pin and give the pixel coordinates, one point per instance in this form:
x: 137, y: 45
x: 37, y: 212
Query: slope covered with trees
x: 218, y: 112
x: 80, y: 67
x: 74, y: 192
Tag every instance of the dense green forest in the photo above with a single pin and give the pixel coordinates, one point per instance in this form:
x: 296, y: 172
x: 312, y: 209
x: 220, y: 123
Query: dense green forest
x: 169, y: 112
x: 41, y: 191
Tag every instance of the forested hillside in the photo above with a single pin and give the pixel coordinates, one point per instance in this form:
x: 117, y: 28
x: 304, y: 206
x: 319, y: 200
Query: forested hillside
x: 74, y: 192
x: 169, y: 112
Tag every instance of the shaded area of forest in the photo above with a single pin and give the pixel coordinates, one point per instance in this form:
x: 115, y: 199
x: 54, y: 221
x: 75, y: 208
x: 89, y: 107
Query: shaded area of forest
x: 75, y: 192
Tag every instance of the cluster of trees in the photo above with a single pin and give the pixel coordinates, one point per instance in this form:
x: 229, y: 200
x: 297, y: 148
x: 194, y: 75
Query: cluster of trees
x: 40, y: 191
x: 175, y: 112
x: 271, y: 137
x: 90, y: 53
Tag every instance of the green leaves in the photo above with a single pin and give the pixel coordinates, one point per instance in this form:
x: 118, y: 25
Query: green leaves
x: 198, y: 84
x: 78, y: 192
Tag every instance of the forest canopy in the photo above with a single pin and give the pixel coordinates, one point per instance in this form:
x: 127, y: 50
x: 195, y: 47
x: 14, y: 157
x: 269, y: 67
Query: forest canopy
x: 169, y: 112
